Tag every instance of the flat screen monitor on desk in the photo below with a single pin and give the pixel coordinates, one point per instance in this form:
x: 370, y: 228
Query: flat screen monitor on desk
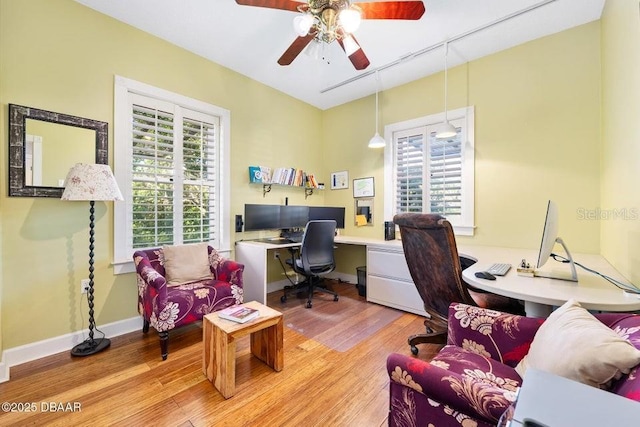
x: 327, y: 212
x: 288, y: 217
x: 549, y: 239
x: 261, y: 217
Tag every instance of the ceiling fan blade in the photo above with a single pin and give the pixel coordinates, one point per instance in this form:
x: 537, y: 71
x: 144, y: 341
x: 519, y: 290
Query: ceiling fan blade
x: 272, y: 4
x: 357, y: 58
x: 296, y: 47
x: 411, y: 10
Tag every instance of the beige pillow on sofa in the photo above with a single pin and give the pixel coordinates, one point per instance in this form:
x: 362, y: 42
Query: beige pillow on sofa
x: 186, y: 263
x: 573, y: 344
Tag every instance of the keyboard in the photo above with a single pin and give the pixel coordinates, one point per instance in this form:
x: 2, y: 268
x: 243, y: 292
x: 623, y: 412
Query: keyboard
x: 499, y: 269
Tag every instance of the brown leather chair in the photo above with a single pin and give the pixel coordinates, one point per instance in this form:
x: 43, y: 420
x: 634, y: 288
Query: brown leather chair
x: 435, y: 266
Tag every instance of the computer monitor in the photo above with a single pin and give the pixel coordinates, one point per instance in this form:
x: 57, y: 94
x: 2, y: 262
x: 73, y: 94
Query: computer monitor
x: 549, y: 239
x: 328, y: 212
x: 293, y: 217
x: 261, y: 217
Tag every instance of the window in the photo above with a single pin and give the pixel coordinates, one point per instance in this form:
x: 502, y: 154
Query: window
x: 170, y: 155
x: 429, y: 175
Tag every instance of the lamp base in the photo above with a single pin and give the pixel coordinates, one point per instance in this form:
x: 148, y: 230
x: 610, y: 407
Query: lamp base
x: 89, y: 347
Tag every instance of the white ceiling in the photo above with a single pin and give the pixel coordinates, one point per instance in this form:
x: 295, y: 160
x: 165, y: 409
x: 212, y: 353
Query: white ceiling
x: 249, y: 40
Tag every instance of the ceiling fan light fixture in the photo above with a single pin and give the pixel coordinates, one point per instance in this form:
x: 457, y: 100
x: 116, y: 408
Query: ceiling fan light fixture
x: 314, y: 49
x: 349, y: 19
x: 302, y: 24
x: 350, y: 45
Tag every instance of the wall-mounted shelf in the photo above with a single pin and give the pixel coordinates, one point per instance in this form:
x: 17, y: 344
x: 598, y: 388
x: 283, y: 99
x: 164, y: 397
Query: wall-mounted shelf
x: 266, y: 188
x: 283, y: 177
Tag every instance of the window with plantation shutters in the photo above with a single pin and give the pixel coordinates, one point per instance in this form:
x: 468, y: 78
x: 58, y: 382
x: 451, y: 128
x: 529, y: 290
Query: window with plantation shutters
x: 170, y: 163
x: 431, y: 175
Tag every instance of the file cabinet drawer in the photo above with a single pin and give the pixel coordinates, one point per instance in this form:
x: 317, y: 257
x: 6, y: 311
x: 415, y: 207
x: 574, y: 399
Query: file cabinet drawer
x: 394, y: 293
x: 388, y: 264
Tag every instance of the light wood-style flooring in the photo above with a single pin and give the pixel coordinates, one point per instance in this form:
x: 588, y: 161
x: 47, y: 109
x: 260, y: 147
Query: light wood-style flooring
x: 129, y: 384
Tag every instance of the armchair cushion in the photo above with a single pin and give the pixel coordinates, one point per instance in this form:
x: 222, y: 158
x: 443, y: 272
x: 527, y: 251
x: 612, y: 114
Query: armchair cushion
x: 186, y: 263
x: 573, y: 344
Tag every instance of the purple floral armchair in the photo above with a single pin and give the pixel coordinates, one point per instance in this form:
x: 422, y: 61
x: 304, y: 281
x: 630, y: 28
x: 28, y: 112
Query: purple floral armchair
x: 168, y: 307
x: 472, y: 380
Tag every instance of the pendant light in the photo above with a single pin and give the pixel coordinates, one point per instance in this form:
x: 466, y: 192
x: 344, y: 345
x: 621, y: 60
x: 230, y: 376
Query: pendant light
x: 446, y: 130
x: 377, y: 141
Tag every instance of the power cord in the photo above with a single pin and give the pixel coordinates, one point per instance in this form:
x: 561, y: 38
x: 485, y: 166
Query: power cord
x: 631, y: 288
x: 284, y: 269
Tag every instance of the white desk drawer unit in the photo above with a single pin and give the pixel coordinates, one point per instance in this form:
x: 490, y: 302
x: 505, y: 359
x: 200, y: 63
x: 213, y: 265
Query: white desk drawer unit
x: 389, y: 281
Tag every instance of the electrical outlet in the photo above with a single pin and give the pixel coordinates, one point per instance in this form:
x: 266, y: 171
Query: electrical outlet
x: 84, y: 286
x: 276, y: 255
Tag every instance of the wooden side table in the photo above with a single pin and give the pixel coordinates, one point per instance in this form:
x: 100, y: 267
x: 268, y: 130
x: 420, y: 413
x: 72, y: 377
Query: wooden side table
x: 219, y: 341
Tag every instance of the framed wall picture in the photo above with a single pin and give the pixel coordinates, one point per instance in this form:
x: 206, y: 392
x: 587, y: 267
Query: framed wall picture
x: 363, y: 187
x: 340, y: 180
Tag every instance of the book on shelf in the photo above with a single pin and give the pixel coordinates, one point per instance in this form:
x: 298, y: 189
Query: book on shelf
x: 239, y: 313
x: 255, y: 174
x: 265, y: 174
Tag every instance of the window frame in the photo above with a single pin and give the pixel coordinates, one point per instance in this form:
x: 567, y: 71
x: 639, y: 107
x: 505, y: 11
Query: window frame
x: 124, y: 88
x: 463, y: 225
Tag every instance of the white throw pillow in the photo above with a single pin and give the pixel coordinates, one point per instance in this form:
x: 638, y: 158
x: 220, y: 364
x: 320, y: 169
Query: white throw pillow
x: 186, y: 263
x: 573, y: 344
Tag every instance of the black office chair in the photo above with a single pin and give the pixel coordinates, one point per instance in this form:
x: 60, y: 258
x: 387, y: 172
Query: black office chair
x: 314, y: 259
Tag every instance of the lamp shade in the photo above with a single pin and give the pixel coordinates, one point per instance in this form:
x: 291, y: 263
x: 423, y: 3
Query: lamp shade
x: 91, y: 182
x: 446, y: 130
x: 377, y: 141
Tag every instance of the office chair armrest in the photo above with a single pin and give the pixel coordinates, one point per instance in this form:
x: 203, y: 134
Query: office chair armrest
x: 504, y: 337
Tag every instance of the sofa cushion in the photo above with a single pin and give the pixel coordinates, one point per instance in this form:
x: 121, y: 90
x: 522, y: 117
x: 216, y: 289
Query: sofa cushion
x: 186, y: 263
x: 574, y: 344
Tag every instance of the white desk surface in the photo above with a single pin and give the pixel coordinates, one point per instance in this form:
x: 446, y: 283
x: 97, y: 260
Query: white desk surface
x: 539, y: 293
x: 558, y: 402
x: 591, y: 291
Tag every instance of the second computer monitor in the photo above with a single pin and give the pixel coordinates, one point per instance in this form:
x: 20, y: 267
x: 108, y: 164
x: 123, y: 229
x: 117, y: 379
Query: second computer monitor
x: 328, y: 212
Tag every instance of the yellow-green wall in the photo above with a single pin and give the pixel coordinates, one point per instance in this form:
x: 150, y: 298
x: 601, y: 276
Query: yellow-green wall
x: 61, y: 56
x: 620, y: 230
x: 537, y: 133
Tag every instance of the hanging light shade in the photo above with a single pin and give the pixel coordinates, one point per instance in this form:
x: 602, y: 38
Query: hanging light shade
x: 446, y: 129
x: 377, y: 141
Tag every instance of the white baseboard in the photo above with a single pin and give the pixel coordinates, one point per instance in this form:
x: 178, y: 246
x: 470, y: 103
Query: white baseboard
x: 28, y: 352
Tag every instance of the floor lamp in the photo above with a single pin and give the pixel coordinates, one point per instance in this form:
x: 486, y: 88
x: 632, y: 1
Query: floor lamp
x: 91, y: 182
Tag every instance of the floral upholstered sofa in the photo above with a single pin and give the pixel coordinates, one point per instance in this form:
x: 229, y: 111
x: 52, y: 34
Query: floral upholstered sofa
x: 166, y: 306
x: 474, y: 378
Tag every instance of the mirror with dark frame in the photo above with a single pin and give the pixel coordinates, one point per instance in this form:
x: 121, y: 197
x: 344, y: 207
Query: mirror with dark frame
x: 364, y: 212
x: 44, y: 145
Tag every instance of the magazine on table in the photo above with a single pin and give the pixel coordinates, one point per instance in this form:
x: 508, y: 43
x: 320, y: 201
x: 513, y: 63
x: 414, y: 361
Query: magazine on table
x: 239, y: 313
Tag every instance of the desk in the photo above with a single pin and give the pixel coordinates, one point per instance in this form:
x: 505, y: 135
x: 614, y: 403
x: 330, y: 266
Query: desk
x: 388, y: 279
x: 541, y: 294
x: 389, y: 282
x: 555, y: 401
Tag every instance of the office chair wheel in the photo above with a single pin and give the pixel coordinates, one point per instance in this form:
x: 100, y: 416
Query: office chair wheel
x: 309, y: 305
x: 335, y: 297
x: 414, y: 350
x: 283, y: 298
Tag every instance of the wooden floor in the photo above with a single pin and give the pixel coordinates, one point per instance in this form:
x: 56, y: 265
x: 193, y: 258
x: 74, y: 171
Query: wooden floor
x: 130, y: 385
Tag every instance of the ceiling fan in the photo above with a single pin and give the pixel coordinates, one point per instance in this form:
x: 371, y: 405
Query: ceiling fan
x: 336, y: 20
